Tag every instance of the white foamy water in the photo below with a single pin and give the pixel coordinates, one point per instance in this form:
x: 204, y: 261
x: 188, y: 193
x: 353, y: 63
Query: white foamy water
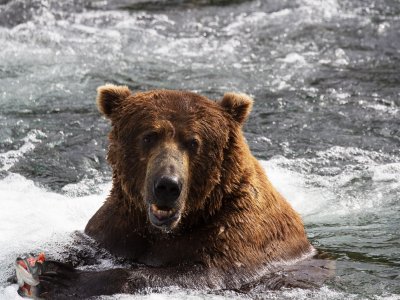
x: 365, y: 185
x: 34, y: 214
x: 33, y: 219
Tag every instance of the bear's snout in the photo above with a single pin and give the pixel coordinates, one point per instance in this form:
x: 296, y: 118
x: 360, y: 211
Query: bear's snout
x: 165, y: 209
x: 166, y: 186
x: 167, y: 189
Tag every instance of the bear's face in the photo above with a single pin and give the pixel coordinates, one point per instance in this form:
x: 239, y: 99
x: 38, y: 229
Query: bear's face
x: 167, y: 147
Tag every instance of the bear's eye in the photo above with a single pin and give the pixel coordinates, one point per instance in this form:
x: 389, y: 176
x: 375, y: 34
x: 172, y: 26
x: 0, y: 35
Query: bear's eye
x: 149, y: 138
x: 194, y: 144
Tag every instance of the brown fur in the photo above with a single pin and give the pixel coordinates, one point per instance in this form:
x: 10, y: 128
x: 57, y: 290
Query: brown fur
x: 231, y: 217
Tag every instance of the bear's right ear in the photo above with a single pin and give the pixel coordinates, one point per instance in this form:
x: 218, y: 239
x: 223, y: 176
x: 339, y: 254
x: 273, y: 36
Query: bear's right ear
x: 238, y: 105
x: 110, y: 96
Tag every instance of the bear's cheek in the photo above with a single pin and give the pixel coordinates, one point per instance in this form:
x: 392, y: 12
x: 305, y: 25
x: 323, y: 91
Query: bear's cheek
x: 132, y: 181
x: 204, y: 175
x: 129, y: 167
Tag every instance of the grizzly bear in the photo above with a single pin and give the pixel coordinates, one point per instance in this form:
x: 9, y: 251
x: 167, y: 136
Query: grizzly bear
x: 189, y: 202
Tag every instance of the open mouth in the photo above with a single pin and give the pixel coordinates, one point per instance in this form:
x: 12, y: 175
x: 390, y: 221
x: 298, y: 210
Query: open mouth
x: 162, y: 216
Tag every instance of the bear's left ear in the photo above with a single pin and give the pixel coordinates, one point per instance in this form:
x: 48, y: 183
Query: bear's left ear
x: 109, y: 98
x: 238, y: 105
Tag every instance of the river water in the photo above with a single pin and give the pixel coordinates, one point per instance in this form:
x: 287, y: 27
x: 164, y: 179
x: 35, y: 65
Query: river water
x: 325, y: 76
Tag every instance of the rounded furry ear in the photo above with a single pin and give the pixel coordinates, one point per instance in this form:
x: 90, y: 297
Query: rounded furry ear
x: 238, y: 105
x: 110, y: 96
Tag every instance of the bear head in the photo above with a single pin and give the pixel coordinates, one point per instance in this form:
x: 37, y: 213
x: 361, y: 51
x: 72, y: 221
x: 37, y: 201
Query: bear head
x: 168, y: 150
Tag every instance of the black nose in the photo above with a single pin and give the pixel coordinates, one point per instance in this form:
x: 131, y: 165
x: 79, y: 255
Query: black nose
x: 167, y: 189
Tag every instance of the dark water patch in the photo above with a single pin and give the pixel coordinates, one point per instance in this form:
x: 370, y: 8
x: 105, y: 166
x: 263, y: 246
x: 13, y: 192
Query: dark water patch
x: 70, y: 147
x: 375, y: 279
x: 382, y: 9
x: 160, y: 5
x: 16, y: 12
x: 314, y: 127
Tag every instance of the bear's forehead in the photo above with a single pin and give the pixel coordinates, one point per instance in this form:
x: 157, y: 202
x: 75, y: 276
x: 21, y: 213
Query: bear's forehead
x: 184, y: 111
x: 177, y: 101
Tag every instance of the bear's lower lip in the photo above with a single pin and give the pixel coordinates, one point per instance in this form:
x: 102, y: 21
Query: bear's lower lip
x: 163, y: 217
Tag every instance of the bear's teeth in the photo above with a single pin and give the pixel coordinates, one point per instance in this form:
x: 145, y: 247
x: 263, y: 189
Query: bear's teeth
x: 159, y: 213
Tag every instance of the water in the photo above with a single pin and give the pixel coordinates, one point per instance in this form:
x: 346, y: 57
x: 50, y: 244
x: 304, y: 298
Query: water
x: 325, y: 76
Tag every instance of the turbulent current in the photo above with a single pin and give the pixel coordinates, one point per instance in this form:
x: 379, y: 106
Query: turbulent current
x: 325, y: 76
